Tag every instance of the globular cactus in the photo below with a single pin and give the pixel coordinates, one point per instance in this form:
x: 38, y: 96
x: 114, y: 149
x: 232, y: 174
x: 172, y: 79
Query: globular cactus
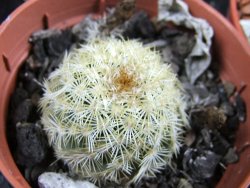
x: 113, y: 111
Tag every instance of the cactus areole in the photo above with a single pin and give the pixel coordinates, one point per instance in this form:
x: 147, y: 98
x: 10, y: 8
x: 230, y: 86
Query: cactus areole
x: 113, y: 111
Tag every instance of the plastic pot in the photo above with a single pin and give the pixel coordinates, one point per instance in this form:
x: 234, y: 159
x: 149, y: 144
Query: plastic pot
x: 38, y: 14
x: 234, y: 16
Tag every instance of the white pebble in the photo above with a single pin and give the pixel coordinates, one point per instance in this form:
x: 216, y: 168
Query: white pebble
x: 55, y: 180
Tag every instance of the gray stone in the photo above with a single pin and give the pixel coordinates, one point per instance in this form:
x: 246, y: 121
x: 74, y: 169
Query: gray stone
x: 231, y: 156
x: 32, y: 144
x: 204, y: 166
x: 55, y: 180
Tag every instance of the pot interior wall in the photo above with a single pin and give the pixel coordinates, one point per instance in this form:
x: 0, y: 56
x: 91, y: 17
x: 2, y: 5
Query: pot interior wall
x: 39, y: 14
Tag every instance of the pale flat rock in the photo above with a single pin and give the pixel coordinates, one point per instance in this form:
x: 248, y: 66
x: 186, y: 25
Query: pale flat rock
x: 55, y: 180
x: 198, y: 61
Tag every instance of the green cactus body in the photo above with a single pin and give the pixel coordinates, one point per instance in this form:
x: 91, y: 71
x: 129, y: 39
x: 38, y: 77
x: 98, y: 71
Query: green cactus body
x: 113, y: 111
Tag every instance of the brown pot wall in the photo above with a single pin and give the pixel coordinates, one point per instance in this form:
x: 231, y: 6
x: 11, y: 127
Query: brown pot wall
x: 232, y: 52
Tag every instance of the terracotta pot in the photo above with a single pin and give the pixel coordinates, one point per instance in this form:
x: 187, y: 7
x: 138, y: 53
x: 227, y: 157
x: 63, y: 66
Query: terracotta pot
x: 38, y: 14
x: 234, y: 15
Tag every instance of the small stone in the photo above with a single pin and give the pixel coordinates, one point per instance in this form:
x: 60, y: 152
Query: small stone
x: 163, y: 185
x: 33, y: 64
x: 140, y: 26
x: 200, y: 164
x: 35, y: 97
x: 183, y: 183
x: 32, y: 144
x: 22, y: 112
x: 38, y: 50
x: 81, y: 31
x: 167, y: 33
x: 201, y: 95
x: 52, y: 42
x: 229, y: 88
x: 201, y: 91
x: 151, y: 185
x: 43, y: 34
x: 187, y: 157
x: 183, y: 44
x: 210, y: 75
x: 174, y: 181
x: 190, y: 138
x: 27, y: 171
x: 222, y: 93
x: 227, y: 108
x: 53, y: 180
x: 175, y: 67
x: 241, y: 108
x: 220, y: 144
x: 206, y: 137
x: 156, y: 44
x: 146, y: 28
x: 19, y: 96
x: 204, y: 165
x: 211, y: 100
x: 123, y: 11
x: 30, y: 85
x: 58, y: 43
x: 233, y: 122
x: 54, y: 63
x: 168, y: 56
x: 231, y: 156
x: 35, y: 172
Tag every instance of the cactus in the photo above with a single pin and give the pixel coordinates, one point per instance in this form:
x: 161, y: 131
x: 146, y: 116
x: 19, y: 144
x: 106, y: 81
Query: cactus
x: 113, y: 111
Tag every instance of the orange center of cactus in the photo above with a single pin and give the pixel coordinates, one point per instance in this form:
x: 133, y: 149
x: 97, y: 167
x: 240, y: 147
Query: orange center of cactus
x: 124, y: 81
